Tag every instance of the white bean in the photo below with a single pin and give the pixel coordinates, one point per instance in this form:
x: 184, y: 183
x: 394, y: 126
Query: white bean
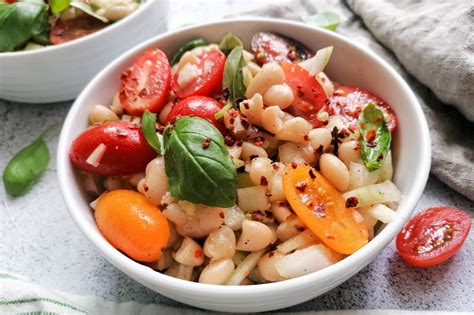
x: 100, y: 114
x: 290, y: 152
x: 276, y: 189
x: 279, y: 95
x: 190, y: 253
x: 320, y: 137
x: 251, y: 150
x: 187, y: 57
x: 281, y: 211
x: 295, y: 130
x: 349, y: 152
x: 261, y: 171
x: 335, y: 171
x: 253, y: 198
x: 253, y: 109
x: 205, y: 221
x: 254, y: 68
x: 156, y: 182
x: 254, y: 236
x: 234, y: 218
x: 116, y: 106
x: 266, y: 266
x: 272, y: 119
x: 270, y: 74
x: 164, y: 112
x: 291, y: 227
x: 134, y: 179
x: 220, y: 244
x: 217, y: 272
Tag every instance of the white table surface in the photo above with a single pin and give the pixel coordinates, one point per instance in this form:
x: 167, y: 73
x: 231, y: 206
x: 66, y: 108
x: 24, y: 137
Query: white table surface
x: 39, y: 240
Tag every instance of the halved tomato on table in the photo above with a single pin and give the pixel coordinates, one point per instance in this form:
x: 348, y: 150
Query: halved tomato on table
x: 202, y: 78
x: 66, y: 30
x: 349, y: 101
x: 433, y: 236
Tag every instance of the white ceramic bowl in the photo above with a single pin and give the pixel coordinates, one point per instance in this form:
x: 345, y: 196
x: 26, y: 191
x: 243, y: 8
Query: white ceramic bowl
x: 59, y: 73
x: 349, y: 64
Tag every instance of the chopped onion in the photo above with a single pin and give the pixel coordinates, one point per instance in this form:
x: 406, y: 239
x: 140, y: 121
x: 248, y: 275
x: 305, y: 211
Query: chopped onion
x: 303, y: 239
x: 188, y: 73
x: 386, y: 171
x: 360, y: 176
x: 316, y: 64
x: 234, y: 217
x: 253, y: 198
x: 376, y: 193
x: 244, y: 268
x: 96, y: 155
x: 381, y: 213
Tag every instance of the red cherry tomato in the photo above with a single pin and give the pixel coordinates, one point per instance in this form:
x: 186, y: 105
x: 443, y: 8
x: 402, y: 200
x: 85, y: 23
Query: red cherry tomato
x: 349, y: 101
x: 433, y: 236
x: 199, y: 106
x: 309, y: 95
x: 211, y: 68
x: 146, y: 83
x: 126, y: 150
x: 67, y: 30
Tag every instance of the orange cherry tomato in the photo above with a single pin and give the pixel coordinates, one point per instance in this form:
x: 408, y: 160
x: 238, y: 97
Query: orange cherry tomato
x: 321, y: 207
x: 132, y: 224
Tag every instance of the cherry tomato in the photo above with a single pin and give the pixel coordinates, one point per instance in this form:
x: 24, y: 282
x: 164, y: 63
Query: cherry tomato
x: 433, y: 236
x: 132, y: 224
x: 200, y: 106
x: 270, y: 47
x: 309, y: 95
x: 145, y: 85
x: 349, y: 101
x: 322, y: 209
x: 126, y: 150
x: 67, y: 30
x: 211, y: 68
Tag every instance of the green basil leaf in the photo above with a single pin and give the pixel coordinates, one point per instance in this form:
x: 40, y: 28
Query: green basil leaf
x: 229, y: 42
x: 149, y: 131
x: 25, y: 168
x: 84, y: 7
x: 197, y: 163
x: 58, y: 6
x: 41, y: 39
x: 375, y: 137
x: 21, y: 21
x: 328, y: 19
x: 187, y: 47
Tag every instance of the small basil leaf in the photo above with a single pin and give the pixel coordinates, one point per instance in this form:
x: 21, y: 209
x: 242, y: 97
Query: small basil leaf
x: 86, y: 8
x: 41, y: 39
x: 328, y: 19
x: 187, y: 47
x: 229, y: 42
x: 149, y: 131
x: 375, y: 137
x: 197, y: 163
x: 58, y: 6
x: 25, y: 168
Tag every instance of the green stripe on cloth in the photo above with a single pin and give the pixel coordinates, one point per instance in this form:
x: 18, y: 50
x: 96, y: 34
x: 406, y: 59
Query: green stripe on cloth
x: 6, y: 276
x: 38, y: 313
x: 39, y: 299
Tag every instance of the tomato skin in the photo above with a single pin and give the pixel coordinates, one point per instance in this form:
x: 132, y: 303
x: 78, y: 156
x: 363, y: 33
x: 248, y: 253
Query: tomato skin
x: 127, y: 151
x: 132, y: 224
x: 199, y: 106
x: 145, y: 85
x: 66, y: 30
x: 211, y: 63
x: 349, y: 101
x: 419, y: 242
x: 270, y: 47
x: 309, y: 95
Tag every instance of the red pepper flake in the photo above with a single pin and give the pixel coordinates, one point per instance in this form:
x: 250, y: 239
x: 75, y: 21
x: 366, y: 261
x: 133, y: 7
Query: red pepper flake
x: 294, y: 165
x: 300, y: 228
x: 229, y: 140
x: 299, y: 86
x: 206, y: 143
x: 198, y: 254
x: 246, y: 105
x: 301, y: 186
x: 352, y: 202
x: 306, y: 137
x: 221, y: 214
x: 291, y: 55
x: 380, y: 157
x: 311, y: 174
x: 300, y: 93
x: 335, y: 140
x: 232, y: 120
x: 259, y: 141
x: 145, y: 187
x: 265, y: 217
x: 370, y: 136
x: 271, y: 254
x: 263, y: 181
x: 344, y: 133
x: 268, y: 194
x: 319, y: 210
x: 275, y: 166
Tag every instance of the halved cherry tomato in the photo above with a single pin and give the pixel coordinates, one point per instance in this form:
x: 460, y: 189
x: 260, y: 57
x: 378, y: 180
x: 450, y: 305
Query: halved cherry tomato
x: 433, y: 236
x: 132, y: 224
x: 270, y: 47
x: 126, y: 150
x: 211, y: 69
x: 309, y: 95
x: 199, y: 106
x: 67, y: 30
x: 145, y: 85
x: 321, y: 207
x: 349, y: 101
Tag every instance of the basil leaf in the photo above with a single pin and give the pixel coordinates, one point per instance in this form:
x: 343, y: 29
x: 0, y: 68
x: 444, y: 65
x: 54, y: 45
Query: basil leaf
x: 375, y: 137
x: 149, y: 131
x: 328, y: 19
x: 58, y: 6
x: 197, y: 163
x: 187, y: 47
x: 84, y: 7
x: 229, y: 42
x: 20, y: 21
x: 25, y: 168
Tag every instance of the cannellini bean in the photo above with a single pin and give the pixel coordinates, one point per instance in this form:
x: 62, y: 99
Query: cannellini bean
x: 116, y: 106
x: 114, y: 10
x: 244, y: 268
x: 320, y: 137
x: 187, y: 57
x: 261, y: 171
x: 266, y: 266
x: 279, y: 95
x: 291, y: 227
x: 155, y: 184
x: 276, y: 189
x: 205, y: 221
x: 298, y: 241
x: 335, y: 121
x: 253, y: 198
x: 164, y: 112
x: 100, y: 113
x: 217, y: 272
x: 174, y: 213
x: 326, y: 83
x: 255, y: 236
x: 134, y: 179
x: 295, y: 130
x: 236, y: 124
x: 251, y: 151
x: 234, y: 218
x: 349, y: 152
x: 281, y: 211
x: 272, y: 119
x: 290, y: 152
x: 190, y: 253
x: 254, y: 68
x: 253, y: 109
x: 270, y: 74
x: 335, y: 171
x: 220, y: 244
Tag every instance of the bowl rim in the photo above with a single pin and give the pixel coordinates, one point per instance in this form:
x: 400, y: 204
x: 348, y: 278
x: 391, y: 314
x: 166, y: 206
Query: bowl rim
x: 79, y: 41
x: 139, y: 271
